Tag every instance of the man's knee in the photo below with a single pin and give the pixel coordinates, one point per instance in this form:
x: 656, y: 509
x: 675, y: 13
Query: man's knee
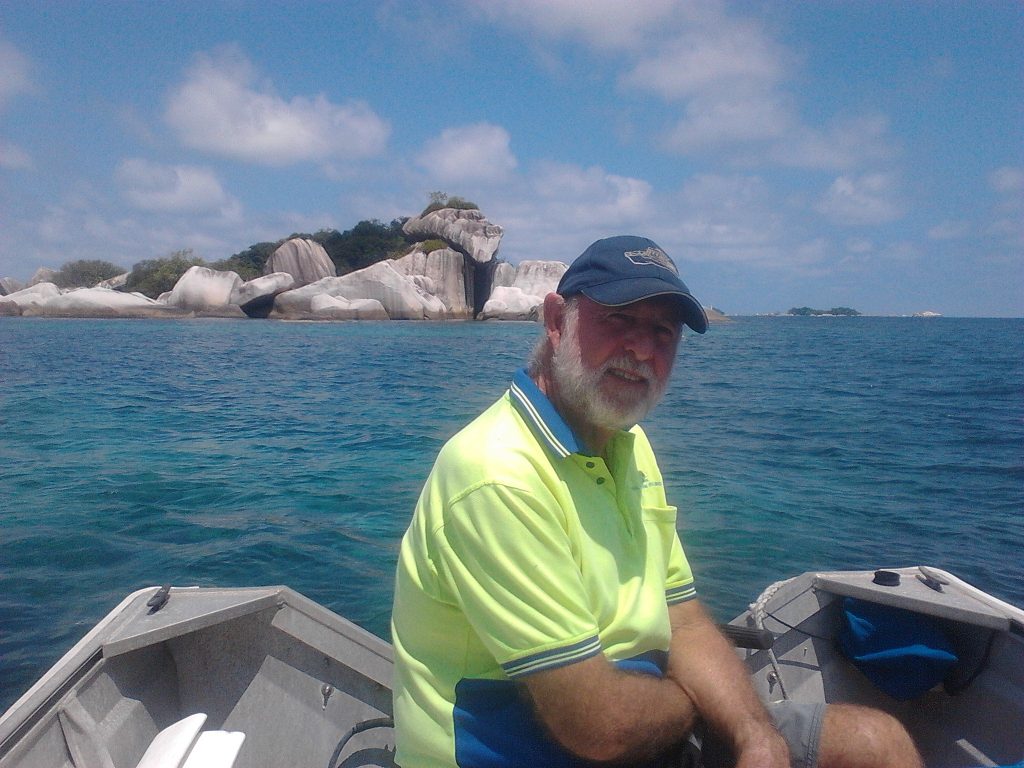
x: 859, y: 737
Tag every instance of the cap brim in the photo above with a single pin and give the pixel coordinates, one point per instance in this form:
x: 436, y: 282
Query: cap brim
x: 617, y: 294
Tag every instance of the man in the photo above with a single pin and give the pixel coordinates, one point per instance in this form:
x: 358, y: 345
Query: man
x: 545, y: 613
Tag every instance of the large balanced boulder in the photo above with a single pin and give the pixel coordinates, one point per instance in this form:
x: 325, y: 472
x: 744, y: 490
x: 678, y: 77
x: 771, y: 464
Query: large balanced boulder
x: 99, y: 302
x: 42, y: 275
x: 444, y: 271
x: 39, y: 293
x: 539, y: 278
x: 504, y: 275
x: 336, y: 308
x: 115, y: 282
x: 468, y: 231
x: 397, y: 293
x: 256, y: 297
x: 202, y: 288
x: 9, y: 285
x: 518, y: 292
x: 400, y: 295
x: 305, y: 260
x: 507, y: 303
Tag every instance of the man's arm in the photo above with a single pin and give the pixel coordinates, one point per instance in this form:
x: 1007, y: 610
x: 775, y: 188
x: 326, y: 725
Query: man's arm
x: 706, y: 667
x: 600, y: 712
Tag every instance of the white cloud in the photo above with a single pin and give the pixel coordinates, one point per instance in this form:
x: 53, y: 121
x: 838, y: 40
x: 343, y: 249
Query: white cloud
x: 469, y: 153
x: 731, y: 218
x: 172, y: 188
x: 15, y: 77
x: 602, y: 23
x: 1007, y: 179
x: 590, y: 195
x: 723, y: 120
x: 861, y: 200
x: 949, y: 230
x: 557, y: 209
x: 13, y: 157
x: 730, y: 55
x: 728, y: 74
x: 727, y: 211
x: 1008, y: 224
x: 220, y: 108
x: 843, y: 145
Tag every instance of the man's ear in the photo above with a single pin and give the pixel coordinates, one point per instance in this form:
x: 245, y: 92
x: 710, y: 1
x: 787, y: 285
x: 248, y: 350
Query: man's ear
x: 554, y: 315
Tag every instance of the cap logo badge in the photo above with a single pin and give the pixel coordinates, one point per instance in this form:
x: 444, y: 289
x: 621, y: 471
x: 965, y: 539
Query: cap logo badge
x: 651, y: 255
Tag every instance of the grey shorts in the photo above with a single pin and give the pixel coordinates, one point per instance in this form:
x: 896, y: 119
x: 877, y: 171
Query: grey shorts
x: 798, y: 722
x: 800, y: 725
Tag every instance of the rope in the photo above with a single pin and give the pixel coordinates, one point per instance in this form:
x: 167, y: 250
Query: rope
x: 758, y: 610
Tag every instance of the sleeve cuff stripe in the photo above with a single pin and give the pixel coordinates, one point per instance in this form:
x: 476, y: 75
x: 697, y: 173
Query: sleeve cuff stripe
x: 555, y: 657
x: 681, y: 593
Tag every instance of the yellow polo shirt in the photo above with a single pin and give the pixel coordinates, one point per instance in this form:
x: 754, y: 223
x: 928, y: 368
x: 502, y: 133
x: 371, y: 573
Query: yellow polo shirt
x: 524, y: 554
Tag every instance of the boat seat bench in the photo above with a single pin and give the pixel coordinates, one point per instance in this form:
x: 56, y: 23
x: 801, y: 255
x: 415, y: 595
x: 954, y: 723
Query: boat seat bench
x: 185, y: 745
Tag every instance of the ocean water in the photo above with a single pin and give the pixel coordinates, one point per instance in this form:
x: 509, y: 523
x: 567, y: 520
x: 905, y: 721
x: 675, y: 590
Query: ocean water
x: 136, y: 453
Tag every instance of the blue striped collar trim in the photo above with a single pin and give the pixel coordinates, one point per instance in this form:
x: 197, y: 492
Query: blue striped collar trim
x: 542, y: 417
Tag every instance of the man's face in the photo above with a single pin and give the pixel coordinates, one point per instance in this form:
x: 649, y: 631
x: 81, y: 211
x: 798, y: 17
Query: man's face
x: 612, y: 364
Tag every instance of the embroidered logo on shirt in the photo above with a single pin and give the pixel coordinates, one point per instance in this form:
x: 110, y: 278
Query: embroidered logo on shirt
x: 645, y: 483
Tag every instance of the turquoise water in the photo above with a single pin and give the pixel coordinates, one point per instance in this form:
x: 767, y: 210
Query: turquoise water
x: 233, y: 452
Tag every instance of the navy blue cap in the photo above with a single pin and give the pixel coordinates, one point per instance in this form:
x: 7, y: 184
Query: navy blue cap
x: 621, y: 270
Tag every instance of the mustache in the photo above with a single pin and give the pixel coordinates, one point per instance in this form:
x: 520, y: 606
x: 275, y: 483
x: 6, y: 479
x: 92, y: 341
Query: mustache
x: 629, y: 365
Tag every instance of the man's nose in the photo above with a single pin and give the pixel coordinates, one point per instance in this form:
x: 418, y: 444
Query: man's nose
x: 640, y: 343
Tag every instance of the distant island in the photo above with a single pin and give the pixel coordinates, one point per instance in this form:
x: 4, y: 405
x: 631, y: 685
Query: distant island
x: 440, y: 265
x: 834, y: 312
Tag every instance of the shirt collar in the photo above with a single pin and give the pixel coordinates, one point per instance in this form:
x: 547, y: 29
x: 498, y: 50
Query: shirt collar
x: 546, y: 423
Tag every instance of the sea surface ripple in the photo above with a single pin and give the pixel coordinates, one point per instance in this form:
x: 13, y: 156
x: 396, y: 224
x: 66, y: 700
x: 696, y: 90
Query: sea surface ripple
x: 229, y: 453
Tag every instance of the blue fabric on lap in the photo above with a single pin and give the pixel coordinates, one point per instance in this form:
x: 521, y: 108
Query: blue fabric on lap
x: 903, y: 653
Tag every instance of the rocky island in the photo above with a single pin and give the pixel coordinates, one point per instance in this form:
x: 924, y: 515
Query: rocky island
x: 450, y: 270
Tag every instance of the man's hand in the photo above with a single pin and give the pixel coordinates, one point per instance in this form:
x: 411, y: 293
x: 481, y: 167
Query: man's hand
x: 706, y: 667
x: 766, y: 750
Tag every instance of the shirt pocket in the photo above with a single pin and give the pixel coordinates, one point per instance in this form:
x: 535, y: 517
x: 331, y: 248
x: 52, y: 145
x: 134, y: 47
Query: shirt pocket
x: 660, y: 526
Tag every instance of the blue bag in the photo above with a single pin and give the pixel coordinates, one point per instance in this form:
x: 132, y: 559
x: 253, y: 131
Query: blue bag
x: 903, y: 653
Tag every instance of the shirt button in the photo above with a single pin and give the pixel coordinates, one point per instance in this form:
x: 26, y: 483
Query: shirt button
x: 590, y: 465
x: 600, y: 481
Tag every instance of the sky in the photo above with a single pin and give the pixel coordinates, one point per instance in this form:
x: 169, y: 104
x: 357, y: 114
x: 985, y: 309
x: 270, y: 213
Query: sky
x: 785, y: 154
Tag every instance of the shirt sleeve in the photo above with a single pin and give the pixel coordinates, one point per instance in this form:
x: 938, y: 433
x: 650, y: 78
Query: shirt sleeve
x: 510, y: 564
x: 679, y: 585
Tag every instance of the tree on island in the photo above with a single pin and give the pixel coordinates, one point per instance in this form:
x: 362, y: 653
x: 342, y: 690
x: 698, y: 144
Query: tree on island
x: 85, y: 273
x: 439, y: 200
x: 837, y: 311
x: 365, y: 244
x: 155, y: 276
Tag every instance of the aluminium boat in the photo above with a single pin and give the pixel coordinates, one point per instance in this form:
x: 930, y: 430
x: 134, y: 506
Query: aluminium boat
x: 263, y: 677
x: 943, y: 657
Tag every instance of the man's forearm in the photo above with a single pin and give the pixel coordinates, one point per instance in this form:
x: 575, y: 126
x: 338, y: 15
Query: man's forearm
x: 706, y: 667
x: 600, y: 712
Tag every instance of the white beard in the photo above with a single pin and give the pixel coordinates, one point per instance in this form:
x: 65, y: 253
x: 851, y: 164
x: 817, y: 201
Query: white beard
x: 580, y: 388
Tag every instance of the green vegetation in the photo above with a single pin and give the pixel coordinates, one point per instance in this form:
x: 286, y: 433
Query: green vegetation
x: 85, y: 273
x: 155, y: 276
x: 248, y: 263
x: 366, y: 243
x: 439, y: 200
x: 808, y: 312
x: 429, y: 246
